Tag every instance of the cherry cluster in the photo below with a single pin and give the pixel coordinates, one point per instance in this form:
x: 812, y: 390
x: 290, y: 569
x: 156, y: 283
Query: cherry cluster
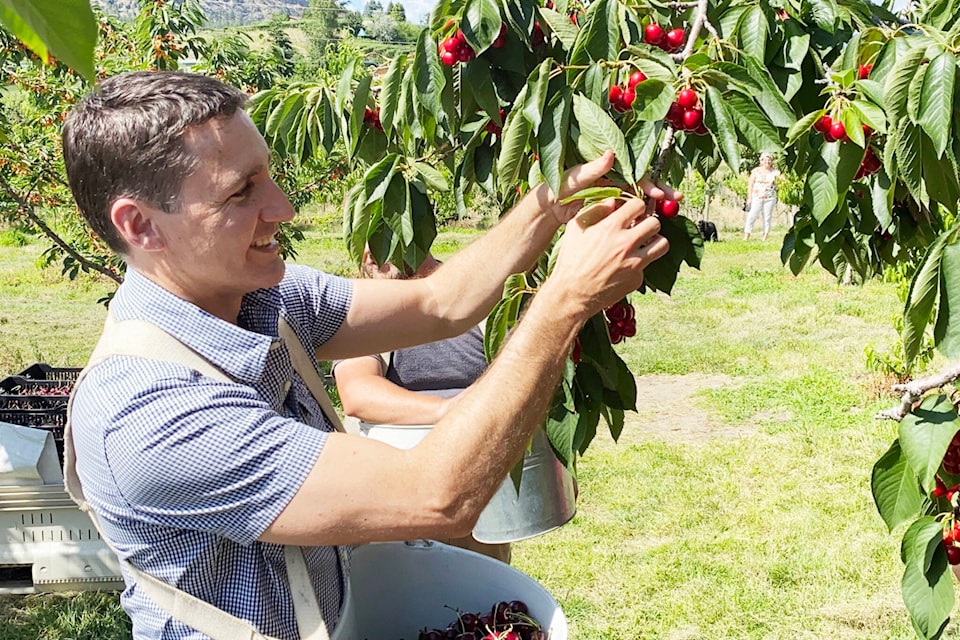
x: 951, y: 538
x: 455, y: 49
x: 864, y: 71
x: 670, y: 41
x: 493, y: 128
x: 686, y: 114
x: 870, y: 164
x: 621, y: 98
x: 621, y: 321
x: 46, y: 391
x: 951, y: 459
x: 371, y: 118
x: 505, y: 621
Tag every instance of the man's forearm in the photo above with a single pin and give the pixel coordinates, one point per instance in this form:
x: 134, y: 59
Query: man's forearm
x: 500, y: 412
x: 468, y: 285
x: 375, y: 399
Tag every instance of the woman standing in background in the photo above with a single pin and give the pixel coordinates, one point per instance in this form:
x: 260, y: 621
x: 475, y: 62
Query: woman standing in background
x: 761, y: 195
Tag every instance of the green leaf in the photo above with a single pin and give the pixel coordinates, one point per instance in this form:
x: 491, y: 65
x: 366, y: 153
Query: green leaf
x: 872, y: 89
x: 752, y: 123
x: 396, y: 210
x: 561, y: 27
x: 825, y: 13
x: 513, y: 150
x: 895, y: 488
x: 593, y: 193
x: 561, y: 429
x: 803, y: 125
x: 732, y: 74
x: 881, y: 194
x: 909, y: 148
x: 390, y: 92
x: 946, y: 332
x: 377, y: 178
x: 360, y: 96
x: 480, y: 23
x: 477, y: 80
x: 643, y: 139
x: 925, y: 434
x: 345, y: 84
x: 939, y: 174
x: 598, y: 133
x: 927, y: 580
x: 536, y: 96
x: 652, y: 100
x: 820, y: 191
x: 65, y: 28
x: 753, y: 32
x: 770, y: 99
x: 552, y: 139
x: 923, y: 294
x: 599, y: 39
x: 428, y: 76
x: 721, y: 127
x: 431, y: 176
x: 870, y: 114
x: 936, y: 101
x: 898, y: 84
x: 851, y: 122
x: 424, y: 226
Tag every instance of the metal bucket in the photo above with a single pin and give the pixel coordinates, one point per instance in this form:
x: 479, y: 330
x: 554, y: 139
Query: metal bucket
x: 546, y: 499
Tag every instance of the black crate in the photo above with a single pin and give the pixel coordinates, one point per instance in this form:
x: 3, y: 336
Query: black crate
x: 16, y: 401
x: 53, y: 420
x: 43, y: 371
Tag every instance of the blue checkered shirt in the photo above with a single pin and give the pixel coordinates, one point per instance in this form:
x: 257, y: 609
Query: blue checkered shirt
x: 185, y: 472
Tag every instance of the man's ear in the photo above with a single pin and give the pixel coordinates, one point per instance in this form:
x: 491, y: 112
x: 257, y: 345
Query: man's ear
x: 134, y: 223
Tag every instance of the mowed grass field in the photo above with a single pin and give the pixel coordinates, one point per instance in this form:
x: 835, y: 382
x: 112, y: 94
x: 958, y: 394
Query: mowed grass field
x: 736, y: 504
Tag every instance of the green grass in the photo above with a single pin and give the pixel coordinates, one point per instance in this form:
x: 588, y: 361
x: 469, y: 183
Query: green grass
x: 761, y: 527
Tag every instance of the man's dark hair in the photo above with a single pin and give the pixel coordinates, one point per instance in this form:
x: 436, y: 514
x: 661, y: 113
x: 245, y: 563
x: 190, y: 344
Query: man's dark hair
x: 125, y: 140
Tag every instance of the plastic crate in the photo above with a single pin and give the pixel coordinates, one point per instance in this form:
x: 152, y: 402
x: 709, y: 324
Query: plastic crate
x: 53, y: 420
x: 43, y: 371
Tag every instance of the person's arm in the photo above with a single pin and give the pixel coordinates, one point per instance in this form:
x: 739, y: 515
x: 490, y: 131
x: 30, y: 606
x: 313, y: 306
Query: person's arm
x: 361, y: 490
x: 366, y: 394
x: 388, y: 314
x: 753, y: 177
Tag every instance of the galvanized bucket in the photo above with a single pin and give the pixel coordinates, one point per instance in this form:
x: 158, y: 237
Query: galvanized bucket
x: 546, y: 499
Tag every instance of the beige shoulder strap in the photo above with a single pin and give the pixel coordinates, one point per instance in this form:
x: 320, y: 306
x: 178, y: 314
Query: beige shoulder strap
x: 145, y: 340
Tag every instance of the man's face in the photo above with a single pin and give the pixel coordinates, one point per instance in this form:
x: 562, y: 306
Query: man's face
x: 220, y: 243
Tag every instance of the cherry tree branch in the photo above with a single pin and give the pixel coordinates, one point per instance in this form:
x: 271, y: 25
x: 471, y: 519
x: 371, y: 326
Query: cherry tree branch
x: 28, y: 209
x: 914, y: 389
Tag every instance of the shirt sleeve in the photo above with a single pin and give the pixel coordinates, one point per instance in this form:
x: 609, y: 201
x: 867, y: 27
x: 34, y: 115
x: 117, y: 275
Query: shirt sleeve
x: 316, y: 302
x: 189, y: 452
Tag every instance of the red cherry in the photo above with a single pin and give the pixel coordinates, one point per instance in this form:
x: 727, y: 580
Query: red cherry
x: 628, y: 328
x: 616, y: 312
x: 448, y: 58
x: 615, y: 335
x: 692, y: 118
x: 701, y: 130
x: 537, y: 37
x: 636, y: 78
x: 838, y: 131
x: 864, y: 71
x: 653, y: 34
x: 668, y: 208
x: 687, y: 98
x: 628, y: 97
x: 459, y: 36
x: 451, y: 44
x: 675, y: 115
x: 573, y: 19
x: 615, y: 95
x: 823, y: 124
x: 953, y: 555
x: 675, y: 38
x: 575, y: 354
x: 501, y: 38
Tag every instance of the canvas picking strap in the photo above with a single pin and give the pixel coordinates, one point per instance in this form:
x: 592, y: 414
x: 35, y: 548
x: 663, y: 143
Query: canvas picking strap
x: 145, y: 340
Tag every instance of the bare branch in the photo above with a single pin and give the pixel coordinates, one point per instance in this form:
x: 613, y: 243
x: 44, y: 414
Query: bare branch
x: 28, y: 209
x: 913, y: 391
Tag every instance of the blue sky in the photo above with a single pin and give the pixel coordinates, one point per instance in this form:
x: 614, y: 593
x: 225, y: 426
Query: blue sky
x: 417, y: 10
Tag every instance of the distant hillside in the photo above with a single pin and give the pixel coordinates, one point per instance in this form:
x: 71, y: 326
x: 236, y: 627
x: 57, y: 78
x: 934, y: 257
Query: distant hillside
x: 220, y: 12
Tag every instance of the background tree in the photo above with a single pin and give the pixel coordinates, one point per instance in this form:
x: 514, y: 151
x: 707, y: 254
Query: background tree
x: 396, y: 11
x: 371, y: 8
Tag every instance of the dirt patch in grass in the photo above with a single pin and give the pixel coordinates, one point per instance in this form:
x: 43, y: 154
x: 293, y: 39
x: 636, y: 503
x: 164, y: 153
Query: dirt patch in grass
x: 668, y: 409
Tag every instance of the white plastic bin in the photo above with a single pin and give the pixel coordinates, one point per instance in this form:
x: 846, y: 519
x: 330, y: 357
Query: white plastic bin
x: 398, y: 588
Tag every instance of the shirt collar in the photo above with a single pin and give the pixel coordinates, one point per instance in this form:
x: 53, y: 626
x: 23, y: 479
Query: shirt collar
x: 239, y: 352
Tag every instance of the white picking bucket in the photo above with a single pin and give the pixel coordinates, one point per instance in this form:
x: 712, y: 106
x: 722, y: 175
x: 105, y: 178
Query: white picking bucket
x: 398, y: 588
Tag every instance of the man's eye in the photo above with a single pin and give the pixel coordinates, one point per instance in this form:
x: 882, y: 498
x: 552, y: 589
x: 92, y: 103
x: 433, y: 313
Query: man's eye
x: 243, y: 192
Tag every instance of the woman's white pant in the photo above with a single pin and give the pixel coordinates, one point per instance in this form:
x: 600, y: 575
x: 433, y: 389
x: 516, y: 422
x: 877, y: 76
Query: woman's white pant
x: 756, y: 205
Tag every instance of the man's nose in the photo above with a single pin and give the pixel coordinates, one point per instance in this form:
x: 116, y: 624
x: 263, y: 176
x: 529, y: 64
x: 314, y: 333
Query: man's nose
x: 277, y: 208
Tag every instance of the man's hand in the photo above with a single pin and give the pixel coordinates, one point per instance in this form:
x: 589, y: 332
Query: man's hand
x: 601, y: 261
x: 588, y: 175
